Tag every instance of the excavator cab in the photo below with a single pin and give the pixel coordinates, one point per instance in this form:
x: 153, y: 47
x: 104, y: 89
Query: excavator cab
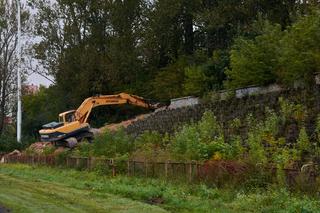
x: 67, y: 117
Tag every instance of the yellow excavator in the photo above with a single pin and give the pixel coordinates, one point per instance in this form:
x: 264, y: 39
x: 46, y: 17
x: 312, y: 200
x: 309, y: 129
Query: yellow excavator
x: 73, y: 127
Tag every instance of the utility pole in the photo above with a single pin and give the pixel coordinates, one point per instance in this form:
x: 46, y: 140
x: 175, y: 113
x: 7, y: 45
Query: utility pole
x: 19, y: 114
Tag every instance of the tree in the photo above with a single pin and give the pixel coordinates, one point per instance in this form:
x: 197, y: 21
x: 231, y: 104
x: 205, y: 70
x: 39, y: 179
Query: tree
x: 208, y: 76
x: 8, y: 60
x: 219, y: 22
x: 277, y: 56
x: 104, y: 47
x: 33, y: 118
x: 300, y: 50
x: 95, y: 44
x: 169, y: 31
x: 254, y: 62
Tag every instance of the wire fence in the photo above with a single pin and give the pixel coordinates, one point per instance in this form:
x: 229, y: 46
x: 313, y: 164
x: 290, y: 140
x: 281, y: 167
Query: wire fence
x: 212, y: 172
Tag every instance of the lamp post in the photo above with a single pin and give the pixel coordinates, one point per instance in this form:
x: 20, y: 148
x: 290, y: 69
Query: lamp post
x: 19, y: 114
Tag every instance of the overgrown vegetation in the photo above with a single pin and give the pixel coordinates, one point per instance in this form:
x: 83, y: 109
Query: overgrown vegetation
x: 264, y: 142
x: 223, y: 145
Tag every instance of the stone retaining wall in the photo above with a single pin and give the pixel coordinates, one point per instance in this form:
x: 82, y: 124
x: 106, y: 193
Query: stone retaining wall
x: 169, y: 120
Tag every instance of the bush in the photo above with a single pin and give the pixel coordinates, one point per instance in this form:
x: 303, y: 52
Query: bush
x: 303, y: 143
x: 201, y: 141
x: 8, y: 143
x: 149, y: 145
x: 109, y: 144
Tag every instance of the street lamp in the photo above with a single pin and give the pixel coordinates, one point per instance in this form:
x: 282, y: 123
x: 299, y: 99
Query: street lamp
x: 19, y: 114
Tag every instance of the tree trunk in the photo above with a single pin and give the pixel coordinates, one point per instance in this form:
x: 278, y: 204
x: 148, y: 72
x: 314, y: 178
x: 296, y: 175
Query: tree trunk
x: 188, y: 34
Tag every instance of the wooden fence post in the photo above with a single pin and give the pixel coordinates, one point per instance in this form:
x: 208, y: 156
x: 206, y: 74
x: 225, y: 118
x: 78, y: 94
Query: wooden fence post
x: 128, y: 168
x: 190, y: 172
x: 113, y: 168
x: 88, y: 163
x: 198, y: 171
x: 67, y: 161
x: 134, y: 168
x: 78, y: 162
x: 166, y: 169
x: 146, y: 168
x: 185, y: 170
x: 92, y: 162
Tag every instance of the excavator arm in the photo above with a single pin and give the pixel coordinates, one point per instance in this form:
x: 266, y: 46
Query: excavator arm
x: 83, y: 112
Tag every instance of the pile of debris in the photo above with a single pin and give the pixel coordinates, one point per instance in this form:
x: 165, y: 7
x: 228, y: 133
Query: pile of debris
x: 124, y: 124
x: 39, y: 147
x: 14, y: 153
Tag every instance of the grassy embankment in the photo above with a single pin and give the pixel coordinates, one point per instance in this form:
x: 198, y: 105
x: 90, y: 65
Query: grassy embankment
x: 28, y: 189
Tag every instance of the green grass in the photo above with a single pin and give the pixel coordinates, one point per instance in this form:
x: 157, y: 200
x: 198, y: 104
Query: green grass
x: 40, y: 189
x: 25, y: 195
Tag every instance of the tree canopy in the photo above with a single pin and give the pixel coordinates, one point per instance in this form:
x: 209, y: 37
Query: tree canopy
x: 283, y: 56
x: 165, y: 49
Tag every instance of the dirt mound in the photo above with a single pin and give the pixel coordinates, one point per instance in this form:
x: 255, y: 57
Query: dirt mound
x: 39, y: 147
x: 59, y: 150
x: 123, y: 124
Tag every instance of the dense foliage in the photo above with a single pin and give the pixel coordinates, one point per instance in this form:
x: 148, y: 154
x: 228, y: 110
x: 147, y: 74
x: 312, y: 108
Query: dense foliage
x: 276, y: 55
x: 164, y: 49
x: 264, y: 141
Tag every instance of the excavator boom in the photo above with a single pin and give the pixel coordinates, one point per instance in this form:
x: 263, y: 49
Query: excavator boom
x: 83, y: 112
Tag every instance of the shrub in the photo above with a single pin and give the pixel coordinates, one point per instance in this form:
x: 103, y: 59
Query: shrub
x: 201, y: 141
x: 149, y: 144
x: 8, y: 143
x: 291, y: 111
x: 83, y: 149
x: 48, y: 150
x: 150, y: 139
x: 303, y: 142
x: 112, y: 144
x: 257, y: 152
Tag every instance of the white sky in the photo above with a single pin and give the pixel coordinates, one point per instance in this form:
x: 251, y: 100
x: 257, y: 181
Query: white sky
x: 38, y: 80
x: 34, y: 78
